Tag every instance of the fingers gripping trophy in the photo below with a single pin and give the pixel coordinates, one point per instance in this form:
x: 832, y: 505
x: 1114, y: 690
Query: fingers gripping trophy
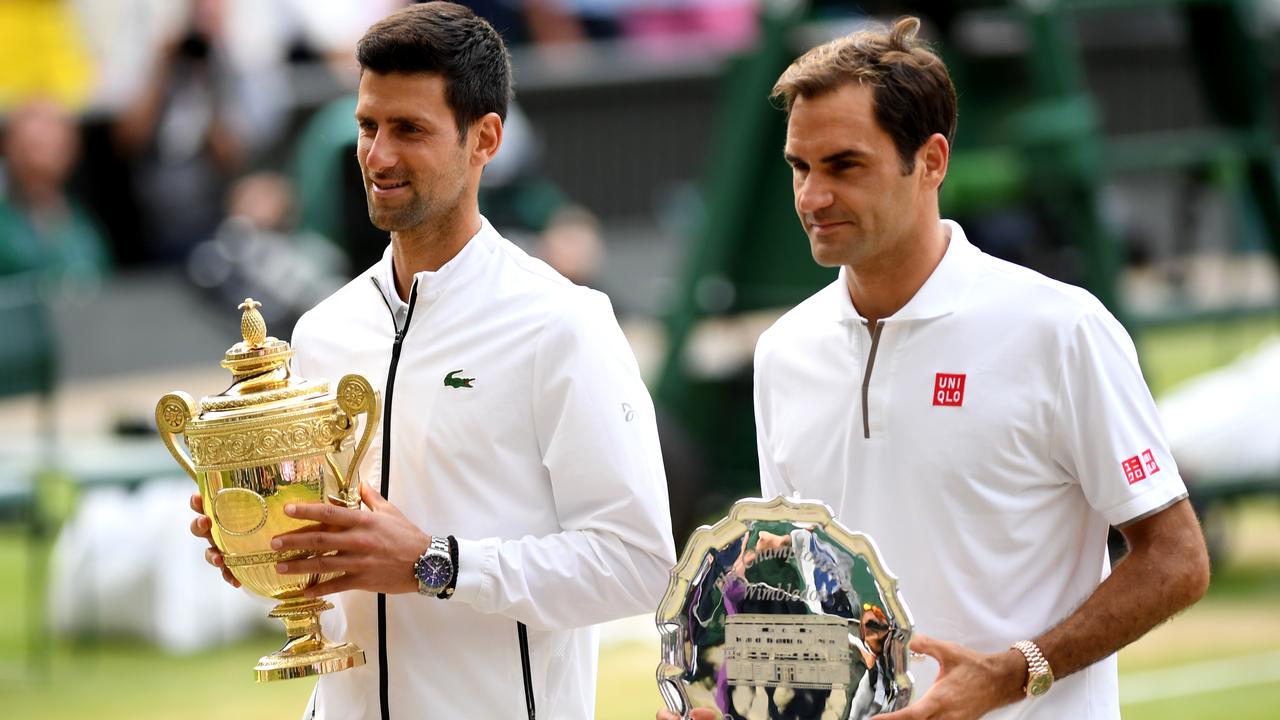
x: 268, y: 440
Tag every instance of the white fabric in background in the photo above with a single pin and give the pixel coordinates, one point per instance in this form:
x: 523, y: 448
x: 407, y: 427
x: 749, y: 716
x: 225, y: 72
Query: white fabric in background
x: 1222, y: 423
x: 126, y: 564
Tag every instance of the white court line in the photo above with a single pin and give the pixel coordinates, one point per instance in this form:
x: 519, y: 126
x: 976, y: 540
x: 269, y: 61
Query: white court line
x: 1197, y: 678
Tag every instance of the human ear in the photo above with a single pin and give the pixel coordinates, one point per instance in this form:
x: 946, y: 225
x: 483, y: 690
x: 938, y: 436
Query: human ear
x: 933, y: 156
x: 486, y: 138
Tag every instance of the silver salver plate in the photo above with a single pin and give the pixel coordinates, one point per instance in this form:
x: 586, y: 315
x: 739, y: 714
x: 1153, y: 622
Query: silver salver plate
x: 780, y: 611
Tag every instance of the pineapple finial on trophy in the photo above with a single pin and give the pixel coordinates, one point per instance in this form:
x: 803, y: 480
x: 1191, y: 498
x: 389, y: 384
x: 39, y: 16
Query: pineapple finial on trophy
x: 252, y: 326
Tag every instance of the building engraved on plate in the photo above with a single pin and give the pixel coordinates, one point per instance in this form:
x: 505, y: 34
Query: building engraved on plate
x: 800, y: 651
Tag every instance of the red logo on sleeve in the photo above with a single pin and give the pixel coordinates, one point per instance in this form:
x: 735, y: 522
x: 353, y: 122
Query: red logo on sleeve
x: 1133, y: 471
x: 1149, y: 461
x: 948, y: 389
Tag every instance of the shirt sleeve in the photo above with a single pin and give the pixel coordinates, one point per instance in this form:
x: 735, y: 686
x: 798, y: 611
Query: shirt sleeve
x: 1107, y: 433
x: 772, y: 482
x: 598, y: 436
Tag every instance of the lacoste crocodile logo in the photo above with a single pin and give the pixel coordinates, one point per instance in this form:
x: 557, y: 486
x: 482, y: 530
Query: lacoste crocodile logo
x: 457, y: 382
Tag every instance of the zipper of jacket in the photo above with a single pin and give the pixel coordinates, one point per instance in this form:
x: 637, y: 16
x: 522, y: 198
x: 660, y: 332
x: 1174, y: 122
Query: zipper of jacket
x: 383, y: 683
x: 523, y: 633
x: 521, y: 630
x: 866, y: 379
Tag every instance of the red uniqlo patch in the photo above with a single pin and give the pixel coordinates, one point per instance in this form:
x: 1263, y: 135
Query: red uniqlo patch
x: 1149, y: 461
x: 1133, y: 470
x: 948, y: 389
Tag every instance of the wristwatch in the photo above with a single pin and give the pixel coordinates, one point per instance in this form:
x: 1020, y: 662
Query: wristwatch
x: 1039, y: 674
x: 435, y: 568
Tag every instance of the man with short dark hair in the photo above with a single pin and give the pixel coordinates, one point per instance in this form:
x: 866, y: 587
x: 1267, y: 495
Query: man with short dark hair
x: 521, y: 496
x: 982, y: 422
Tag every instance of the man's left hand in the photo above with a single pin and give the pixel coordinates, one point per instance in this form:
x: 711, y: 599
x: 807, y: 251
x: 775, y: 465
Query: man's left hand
x: 376, y: 549
x: 969, y: 684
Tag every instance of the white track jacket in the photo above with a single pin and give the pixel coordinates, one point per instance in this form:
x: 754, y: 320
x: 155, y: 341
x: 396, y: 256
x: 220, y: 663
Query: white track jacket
x: 515, y: 419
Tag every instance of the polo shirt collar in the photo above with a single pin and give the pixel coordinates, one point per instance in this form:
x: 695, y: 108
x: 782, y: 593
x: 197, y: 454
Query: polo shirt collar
x: 433, y: 282
x: 939, y: 295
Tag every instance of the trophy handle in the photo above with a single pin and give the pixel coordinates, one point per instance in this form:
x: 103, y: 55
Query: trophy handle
x: 356, y: 395
x: 172, y: 414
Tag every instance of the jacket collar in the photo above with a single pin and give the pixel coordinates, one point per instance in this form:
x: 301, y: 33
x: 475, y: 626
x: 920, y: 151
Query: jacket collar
x: 433, y: 282
x: 941, y: 293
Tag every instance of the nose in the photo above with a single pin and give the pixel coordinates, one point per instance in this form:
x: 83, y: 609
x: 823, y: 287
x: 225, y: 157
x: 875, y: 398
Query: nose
x: 379, y: 154
x: 812, y: 195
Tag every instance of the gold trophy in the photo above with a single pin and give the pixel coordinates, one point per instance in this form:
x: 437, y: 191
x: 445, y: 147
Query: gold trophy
x: 268, y: 440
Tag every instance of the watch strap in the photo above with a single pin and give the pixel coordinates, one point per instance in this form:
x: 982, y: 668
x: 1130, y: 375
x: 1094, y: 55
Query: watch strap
x: 1037, y: 668
x: 452, y: 585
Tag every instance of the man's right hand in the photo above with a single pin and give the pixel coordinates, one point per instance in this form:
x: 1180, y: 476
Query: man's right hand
x: 202, y: 527
x: 698, y: 714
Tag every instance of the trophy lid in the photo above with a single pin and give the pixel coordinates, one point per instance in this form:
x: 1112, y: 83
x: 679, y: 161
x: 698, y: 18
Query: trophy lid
x: 259, y: 366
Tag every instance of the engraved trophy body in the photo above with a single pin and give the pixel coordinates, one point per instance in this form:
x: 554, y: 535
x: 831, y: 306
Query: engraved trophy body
x: 268, y: 440
x: 779, y: 611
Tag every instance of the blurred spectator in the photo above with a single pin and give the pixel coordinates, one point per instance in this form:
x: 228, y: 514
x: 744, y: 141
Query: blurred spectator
x: 665, y: 26
x: 571, y: 244
x: 330, y: 29
x: 42, y: 52
x: 552, y: 22
x: 529, y: 21
x: 661, y: 26
x: 42, y: 228
x: 189, y: 94
x: 124, y: 38
x: 258, y: 252
x: 217, y: 98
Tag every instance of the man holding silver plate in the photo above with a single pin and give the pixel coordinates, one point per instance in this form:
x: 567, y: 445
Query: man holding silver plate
x: 982, y: 423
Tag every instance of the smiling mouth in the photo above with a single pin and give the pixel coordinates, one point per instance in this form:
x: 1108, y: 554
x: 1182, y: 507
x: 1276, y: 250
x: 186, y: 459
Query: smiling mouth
x: 385, y: 186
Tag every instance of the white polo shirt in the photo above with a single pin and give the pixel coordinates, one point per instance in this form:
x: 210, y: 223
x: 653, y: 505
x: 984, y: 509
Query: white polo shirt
x: 984, y: 435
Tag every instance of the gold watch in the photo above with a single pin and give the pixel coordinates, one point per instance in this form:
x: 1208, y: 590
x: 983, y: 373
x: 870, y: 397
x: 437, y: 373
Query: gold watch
x: 1039, y: 674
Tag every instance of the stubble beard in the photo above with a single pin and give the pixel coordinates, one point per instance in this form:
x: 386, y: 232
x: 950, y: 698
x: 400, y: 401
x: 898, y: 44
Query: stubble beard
x: 396, y: 219
x: 849, y: 250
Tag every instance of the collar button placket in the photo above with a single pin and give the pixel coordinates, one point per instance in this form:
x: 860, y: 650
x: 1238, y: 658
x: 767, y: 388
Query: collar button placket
x: 858, y: 342
x: 868, y: 354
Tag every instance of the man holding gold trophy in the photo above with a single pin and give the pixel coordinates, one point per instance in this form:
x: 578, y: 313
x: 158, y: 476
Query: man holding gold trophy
x: 514, y: 491
x: 982, y: 423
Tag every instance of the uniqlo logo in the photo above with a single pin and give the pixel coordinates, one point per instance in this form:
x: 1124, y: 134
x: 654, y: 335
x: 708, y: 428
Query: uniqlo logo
x: 948, y: 389
x: 1149, y: 461
x: 1133, y: 471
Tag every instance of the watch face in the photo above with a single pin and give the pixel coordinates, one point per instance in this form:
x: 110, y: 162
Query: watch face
x: 1039, y: 684
x: 434, y: 571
